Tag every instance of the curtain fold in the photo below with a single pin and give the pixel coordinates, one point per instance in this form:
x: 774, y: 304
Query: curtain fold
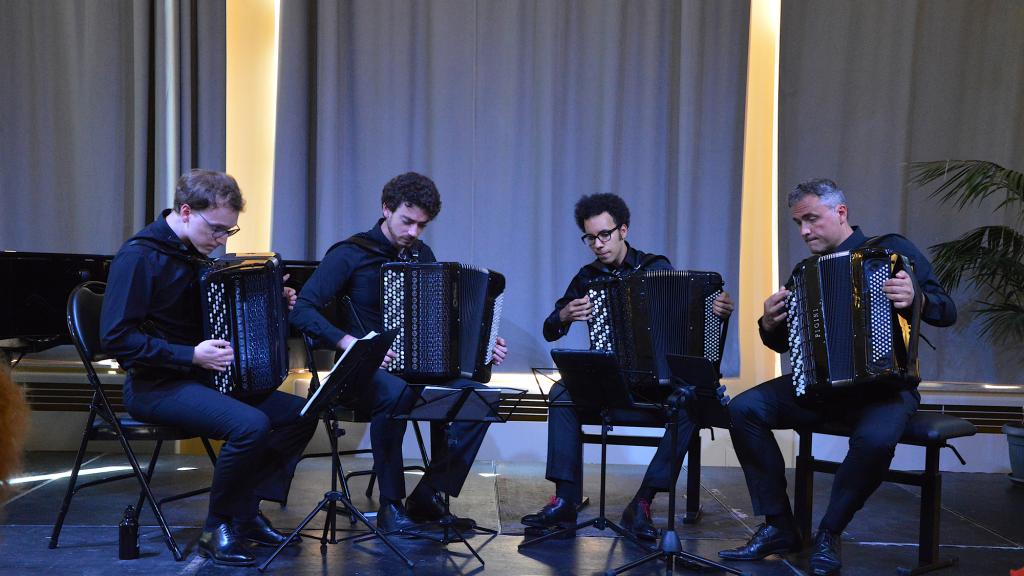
x: 516, y: 109
x: 82, y: 161
x: 868, y: 87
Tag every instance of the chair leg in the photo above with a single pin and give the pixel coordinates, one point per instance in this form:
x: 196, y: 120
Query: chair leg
x: 66, y: 503
x: 693, y: 507
x: 149, y: 477
x: 209, y: 450
x: 153, y: 504
x: 803, y: 491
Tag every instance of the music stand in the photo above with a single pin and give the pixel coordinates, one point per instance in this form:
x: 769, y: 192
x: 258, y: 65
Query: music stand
x: 595, y: 383
x: 696, y: 381
x: 419, y: 402
x: 351, y: 376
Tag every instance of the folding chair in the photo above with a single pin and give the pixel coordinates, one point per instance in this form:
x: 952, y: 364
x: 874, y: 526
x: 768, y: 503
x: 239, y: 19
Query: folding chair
x: 84, y: 305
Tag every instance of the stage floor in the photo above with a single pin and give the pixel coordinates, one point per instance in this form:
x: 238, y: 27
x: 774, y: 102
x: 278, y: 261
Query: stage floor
x: 981, y: 524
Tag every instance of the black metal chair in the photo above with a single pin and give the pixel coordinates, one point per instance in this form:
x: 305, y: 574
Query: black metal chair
x: 103, y: 423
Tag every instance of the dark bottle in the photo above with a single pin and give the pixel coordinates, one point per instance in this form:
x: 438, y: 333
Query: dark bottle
x: 128, y: 535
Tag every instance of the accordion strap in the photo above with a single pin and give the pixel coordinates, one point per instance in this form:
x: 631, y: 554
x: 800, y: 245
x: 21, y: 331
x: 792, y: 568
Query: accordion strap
x: 373, y: 247
x: 164, y: 249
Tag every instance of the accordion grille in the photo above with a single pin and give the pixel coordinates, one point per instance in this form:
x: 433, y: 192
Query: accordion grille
x: 238, y: 309
x: 880, y: 321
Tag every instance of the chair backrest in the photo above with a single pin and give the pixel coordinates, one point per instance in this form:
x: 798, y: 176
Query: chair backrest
x: 84, y: 306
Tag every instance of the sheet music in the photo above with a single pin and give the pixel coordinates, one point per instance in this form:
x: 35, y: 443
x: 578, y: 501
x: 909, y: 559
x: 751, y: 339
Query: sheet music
x: 316, y: 393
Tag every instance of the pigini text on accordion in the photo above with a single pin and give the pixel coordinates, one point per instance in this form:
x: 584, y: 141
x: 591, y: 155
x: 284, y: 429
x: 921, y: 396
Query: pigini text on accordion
x: 843, y: 331
x: 652, y: 313
x: 447, y: 316
x: 242, y: 303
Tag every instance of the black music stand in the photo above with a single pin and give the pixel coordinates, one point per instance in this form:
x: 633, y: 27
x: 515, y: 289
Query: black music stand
x: 696, y: 383
x: 352, y: 375
x: 419, y: 402
x: 594, y: 382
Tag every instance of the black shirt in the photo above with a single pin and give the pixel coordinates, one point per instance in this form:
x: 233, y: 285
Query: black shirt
x: 349, y: 269
x: 151, y: 310
x: 634, y: 261
x: 939, y: 309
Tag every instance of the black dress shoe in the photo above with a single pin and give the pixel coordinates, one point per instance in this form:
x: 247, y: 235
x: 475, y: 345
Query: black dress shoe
x: 392, y: 517
x: 425, y: 506
x: 557, y: 512
x: 259, y: 531
x: 828, y: 550
x: 766, y: 541
x: 636, y: 519
x: 223, y: 546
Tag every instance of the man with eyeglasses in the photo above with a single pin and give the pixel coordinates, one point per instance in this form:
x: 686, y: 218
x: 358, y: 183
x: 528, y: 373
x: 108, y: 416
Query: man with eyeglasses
x: 151, y: 323
x: 409, y: 202
x: 604, y: 220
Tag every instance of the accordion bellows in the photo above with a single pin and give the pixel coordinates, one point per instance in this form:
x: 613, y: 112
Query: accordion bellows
x: 447, y: 316
x: 653, y: 313
x: 843, y: 331
x: 243, y: 304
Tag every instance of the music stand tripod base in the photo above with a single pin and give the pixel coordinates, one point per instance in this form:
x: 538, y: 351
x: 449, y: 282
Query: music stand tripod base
x: 354, y: 370
x: 448, y: 405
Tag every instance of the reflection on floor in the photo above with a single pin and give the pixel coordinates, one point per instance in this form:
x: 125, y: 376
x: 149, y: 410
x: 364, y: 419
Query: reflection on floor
x: 981, y: 524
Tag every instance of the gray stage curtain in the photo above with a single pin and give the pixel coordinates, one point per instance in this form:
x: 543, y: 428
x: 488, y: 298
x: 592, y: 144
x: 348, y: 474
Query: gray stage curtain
x: 84, y: 130
x: 867, y: 87
x: 516, y: 109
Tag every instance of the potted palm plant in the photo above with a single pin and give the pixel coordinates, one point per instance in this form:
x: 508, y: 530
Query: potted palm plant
x: 989, y: 260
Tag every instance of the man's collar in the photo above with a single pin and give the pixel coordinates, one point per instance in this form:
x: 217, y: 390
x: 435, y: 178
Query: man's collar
x: 852, y: 241
x: 629, y: 262
x: 162, y: 231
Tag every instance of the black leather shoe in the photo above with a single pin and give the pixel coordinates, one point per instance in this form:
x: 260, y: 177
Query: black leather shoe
x: 425, y: 506
x: 828, y: 551
x: 392, y: 517
x: 557, y: 512
x: 259, y: 531
x: 636, y: 518
x: 223, y: 546
x: 766, y: 541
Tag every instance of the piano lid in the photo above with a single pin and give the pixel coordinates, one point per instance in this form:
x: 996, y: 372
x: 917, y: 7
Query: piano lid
x: 34, y: 290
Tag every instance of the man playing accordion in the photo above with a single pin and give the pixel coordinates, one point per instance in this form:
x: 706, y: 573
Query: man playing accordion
x: 604, y: 220
x: 877, y: 414
x: 152, y: 324
x: 352, y: 268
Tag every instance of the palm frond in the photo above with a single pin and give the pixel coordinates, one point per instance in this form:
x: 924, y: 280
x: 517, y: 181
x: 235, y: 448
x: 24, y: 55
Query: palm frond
x: 967, y: 182
x: 990, y: 256
x: 1002, y: 322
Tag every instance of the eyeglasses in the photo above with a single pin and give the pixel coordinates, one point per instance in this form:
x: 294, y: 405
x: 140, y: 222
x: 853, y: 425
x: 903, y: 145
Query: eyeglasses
x: 603, y: 235
x: 220, y: 231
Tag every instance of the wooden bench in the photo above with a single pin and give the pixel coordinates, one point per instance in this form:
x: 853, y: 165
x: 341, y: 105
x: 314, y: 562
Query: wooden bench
x: 931, y: 430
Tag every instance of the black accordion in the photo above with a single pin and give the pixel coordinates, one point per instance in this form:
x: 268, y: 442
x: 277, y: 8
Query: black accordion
x: 242, y: 303
x: 447, y: 316
x: 652, y: 313
x: 843, y: 331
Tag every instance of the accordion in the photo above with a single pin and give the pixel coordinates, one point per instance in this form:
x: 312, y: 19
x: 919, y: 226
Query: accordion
x: 653, y: 313
x: 447, y: 316
x: 242, y: 303
x: 843, y: 331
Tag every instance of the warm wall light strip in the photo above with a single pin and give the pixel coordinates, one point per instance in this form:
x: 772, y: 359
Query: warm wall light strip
x: 252, y: 54
x: 759, y: 247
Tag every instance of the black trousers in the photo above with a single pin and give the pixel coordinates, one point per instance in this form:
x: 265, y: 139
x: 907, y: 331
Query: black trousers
x: 565, y: 443
x: 878, y: 422
x: 265, y: 437
x: 448, y: 468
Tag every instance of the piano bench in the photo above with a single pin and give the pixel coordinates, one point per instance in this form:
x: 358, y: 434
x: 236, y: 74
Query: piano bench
x: 930, y: 430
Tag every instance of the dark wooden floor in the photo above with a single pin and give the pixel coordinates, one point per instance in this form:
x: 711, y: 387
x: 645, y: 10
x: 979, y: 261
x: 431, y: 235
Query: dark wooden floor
x: 982, y: 524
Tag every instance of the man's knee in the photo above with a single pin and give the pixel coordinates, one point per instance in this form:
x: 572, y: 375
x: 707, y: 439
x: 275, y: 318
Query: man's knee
x: 251, y: 428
